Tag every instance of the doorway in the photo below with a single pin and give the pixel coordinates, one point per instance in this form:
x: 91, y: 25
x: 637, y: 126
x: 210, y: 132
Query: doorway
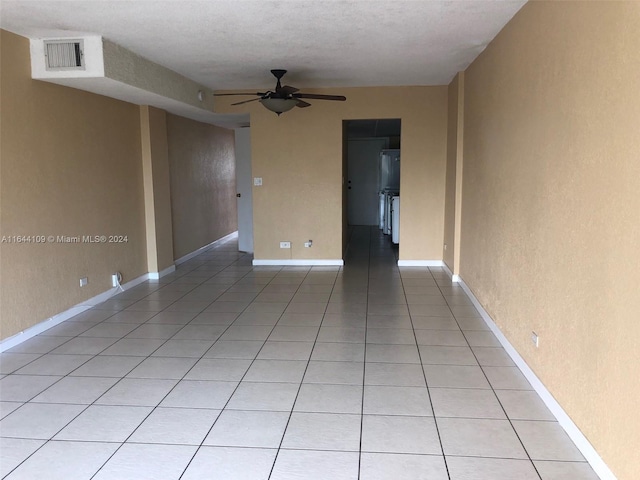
x: 371, y: 169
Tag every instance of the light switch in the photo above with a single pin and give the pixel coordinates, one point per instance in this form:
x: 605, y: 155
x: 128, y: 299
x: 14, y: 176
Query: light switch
x: 257, y: 181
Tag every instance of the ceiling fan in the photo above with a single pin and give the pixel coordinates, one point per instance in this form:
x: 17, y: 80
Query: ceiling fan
x: 283, y: 99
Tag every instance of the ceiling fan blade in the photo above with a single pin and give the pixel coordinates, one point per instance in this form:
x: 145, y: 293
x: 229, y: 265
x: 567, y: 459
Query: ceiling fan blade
x: 228, y: 94
x: 247, y: 101
x: 302, y: 104
x: 339, y: 98
x: 288, y: 90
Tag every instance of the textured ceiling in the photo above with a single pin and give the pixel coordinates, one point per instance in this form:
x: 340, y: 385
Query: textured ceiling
x: 232, y: 44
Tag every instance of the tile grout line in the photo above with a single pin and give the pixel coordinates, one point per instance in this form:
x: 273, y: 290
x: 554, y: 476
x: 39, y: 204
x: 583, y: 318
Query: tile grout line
x: 275, y: 459
x: 435, y: 419
x: 364, y: 367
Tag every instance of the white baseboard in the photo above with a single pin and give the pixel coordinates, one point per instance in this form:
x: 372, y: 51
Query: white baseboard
x: 197, y: 252
x: 578, y: 438
x: 300, y: 262
x: 420, y: 263
x: 159, y: 275
x: 454, y: 278
x: 50, y: 322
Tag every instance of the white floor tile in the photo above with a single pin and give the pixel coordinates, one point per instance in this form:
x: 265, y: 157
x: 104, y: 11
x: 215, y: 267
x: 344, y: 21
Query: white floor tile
x: 439, y: 355
x: 322, y: 431
x: 565, y: 470
x: 479, y: 438
x: 400, y: 434
x: 183, y: 348
x: 507, y: 378
x: 64, y: 461
x: 395, y: 466
x: 101, y: 423
x: 350, y: 373
x: 155, y: 330
x: 15, y: 451
x: 50, y: 364
x: 385, y: 400
x: 492, y: 357
x: 222, y: 369
x: 83, y: 346
x: 10, y: 362
x: 323, y: 398
x: 466, y: 402
x: 315, y: 465
x: 38, y: 344
x: 235, y: 349
x: 162, y: 368
x: 286, y: 333
x: 247, y: 332
x: 114, y: 330
x: 470, y: 468
x: 181, y: 426
x: 7, y: 407
x: 38, y: 420
x: 286, y: 351
x: 78, y: 390
x: 130, y: 317
x: 300, y: 319
x: 137, y: 391
x: 145, y: 461
x: 22, y: 388
x: 172, y: 318
x: 391, y: 336
x: 284, y: 371
x: 135, y: 347
x: 394, y: 374
x: 546, y: 441
x: 200, y: 332
x: 200, y: 394
x: 481, y: 339
x: 339, y: 352
x: 434, y: 323
x: 225, y: 463
x: 244, y: 428
x: 341, y: 334
x: 445, y: 338
x: 455, y: 376
x: 107, y: 366
x: 277, y: 397
x: 524, y: 405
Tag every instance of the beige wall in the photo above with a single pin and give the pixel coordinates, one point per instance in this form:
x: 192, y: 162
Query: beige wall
x: 157, y: 191
x: 452, y: 156
x: 299, y: 156
x: 551, y: 202
x: 203, y: 183
x: 70, y: 164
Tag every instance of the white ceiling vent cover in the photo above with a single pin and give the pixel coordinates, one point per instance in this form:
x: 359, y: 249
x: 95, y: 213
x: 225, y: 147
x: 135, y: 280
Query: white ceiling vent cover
x: 64, y: 54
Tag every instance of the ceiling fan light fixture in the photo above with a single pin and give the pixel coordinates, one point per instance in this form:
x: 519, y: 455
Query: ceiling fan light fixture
x: 278, y: 105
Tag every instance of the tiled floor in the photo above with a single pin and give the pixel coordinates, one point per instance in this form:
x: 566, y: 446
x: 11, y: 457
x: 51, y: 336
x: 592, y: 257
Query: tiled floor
x: 226, y: 371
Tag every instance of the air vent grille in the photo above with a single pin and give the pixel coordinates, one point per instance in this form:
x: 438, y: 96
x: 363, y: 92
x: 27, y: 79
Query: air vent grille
x: 64, y: 54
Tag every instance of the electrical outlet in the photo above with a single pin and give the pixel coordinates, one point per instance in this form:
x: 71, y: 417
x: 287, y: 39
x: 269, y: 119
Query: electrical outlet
x: 285, y: 244
x: 445, y: 246
x: 84, y: 281
x: 535, y: 339
x: 257, y: 181
x: 308, y: 244
x: 115, y: 279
